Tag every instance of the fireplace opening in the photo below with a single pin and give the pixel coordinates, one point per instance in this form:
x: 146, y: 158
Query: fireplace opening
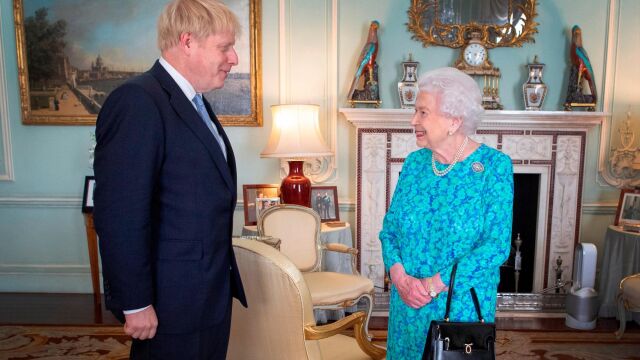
x: 526, y: 192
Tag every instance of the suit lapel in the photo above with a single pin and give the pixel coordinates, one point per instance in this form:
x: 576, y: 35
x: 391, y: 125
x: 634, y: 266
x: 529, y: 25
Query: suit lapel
x: 188, y: 114
x: 231, y: 160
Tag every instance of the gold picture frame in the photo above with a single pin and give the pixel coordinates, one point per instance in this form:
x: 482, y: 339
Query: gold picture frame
x: 71, y: 94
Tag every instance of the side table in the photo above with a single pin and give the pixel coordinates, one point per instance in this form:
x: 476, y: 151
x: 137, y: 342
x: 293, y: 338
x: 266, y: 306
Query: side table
x: 271, y: 241
x: 92, y: 245
x: 621, y: 257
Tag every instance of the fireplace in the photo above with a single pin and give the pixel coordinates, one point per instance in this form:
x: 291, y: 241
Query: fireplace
x: 547, y: 146
x: 516, y: 274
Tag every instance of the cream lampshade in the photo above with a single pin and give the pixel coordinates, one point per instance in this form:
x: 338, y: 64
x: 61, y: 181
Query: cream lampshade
x: 295, y: 134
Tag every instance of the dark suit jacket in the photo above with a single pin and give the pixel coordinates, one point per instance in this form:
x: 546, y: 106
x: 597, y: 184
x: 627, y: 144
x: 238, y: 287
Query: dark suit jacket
x: 163, y: 206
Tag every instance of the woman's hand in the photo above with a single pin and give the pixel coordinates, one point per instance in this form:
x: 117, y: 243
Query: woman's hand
x: 411, y: 290
x: 435, y: 283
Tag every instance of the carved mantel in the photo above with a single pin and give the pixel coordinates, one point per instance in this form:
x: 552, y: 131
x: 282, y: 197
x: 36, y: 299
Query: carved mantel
x: 400, y: 118
x: 549, y: 143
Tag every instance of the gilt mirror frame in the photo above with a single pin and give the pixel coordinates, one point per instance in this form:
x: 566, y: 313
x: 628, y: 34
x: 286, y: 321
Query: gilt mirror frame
x: 455, y: 35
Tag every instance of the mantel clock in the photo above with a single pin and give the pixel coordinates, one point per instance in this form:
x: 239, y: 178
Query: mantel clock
x: 474, y: 60
x: 475, y: 27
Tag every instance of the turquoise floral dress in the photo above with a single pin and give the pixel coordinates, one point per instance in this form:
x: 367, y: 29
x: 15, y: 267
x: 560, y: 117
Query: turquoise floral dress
x: 434, y: 222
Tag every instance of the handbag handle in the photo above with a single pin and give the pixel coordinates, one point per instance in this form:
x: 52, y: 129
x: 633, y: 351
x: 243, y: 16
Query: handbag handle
x: 450, y: 292
x: 476, y: 304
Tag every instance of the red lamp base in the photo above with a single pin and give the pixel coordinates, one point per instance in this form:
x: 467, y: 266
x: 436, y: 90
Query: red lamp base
x: 296, y: 188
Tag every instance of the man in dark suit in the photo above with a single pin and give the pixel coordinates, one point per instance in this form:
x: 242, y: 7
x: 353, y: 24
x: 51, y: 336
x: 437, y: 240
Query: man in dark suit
x: 166, y: 192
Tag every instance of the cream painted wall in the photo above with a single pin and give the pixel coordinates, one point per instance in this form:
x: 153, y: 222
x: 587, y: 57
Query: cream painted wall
x: 42, y: 243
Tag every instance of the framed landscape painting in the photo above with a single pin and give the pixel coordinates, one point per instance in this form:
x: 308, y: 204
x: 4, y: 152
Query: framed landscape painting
x: 73, y: 53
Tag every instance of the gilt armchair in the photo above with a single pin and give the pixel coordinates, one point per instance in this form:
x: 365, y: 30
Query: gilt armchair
x: 279, y: 322
x: 298, y: 228
x: 628, y: 300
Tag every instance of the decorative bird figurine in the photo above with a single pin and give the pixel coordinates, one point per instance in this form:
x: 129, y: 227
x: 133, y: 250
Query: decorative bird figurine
x: 366, y: 64
x: 580, y: 59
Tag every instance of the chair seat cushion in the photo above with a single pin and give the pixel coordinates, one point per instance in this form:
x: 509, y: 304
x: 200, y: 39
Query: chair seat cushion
x: 341, y: 347
x: 329, y: 288
x: 631, y: 291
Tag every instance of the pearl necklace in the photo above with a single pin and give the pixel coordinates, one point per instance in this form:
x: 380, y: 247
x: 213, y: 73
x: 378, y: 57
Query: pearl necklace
x: 455, y: 159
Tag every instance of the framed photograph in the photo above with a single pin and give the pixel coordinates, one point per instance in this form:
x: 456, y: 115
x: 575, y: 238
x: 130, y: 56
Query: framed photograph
x: 324, y: 200
x: 73, y: 53
x: 256, y: 198
x: 263, y: 203
x: 628, y: 207
x: 87, y: 194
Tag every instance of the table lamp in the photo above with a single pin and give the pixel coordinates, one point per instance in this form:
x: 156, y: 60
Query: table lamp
x: 295, y: 135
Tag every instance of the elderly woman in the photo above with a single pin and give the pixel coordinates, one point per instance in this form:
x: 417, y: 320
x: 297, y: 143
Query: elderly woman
x: 452, y: 204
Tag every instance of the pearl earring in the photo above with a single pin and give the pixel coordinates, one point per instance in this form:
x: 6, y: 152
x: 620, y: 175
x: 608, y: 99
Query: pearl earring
x: 450, y: 132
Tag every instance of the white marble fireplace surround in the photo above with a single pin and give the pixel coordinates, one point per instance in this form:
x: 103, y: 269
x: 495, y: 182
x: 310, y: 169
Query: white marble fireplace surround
x: 549, y: 143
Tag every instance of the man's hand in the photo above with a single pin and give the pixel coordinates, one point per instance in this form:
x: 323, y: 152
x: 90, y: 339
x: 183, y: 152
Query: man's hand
x: 411, y: 290
x: 141, y: 325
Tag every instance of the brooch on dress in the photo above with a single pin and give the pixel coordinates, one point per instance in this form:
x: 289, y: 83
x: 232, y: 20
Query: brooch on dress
x: 477, y: 167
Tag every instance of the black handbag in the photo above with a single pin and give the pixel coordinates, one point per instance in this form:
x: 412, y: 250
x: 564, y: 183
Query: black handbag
x: 460, y: 340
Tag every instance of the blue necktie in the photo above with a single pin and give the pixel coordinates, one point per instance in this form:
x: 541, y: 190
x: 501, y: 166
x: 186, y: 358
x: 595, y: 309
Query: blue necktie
x: 207, y: 121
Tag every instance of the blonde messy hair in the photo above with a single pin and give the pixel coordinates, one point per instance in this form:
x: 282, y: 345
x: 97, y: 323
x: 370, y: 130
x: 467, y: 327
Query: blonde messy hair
x: 202, y: 18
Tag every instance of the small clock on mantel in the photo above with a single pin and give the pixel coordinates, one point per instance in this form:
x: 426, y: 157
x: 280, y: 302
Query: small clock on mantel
x: 474, y: 61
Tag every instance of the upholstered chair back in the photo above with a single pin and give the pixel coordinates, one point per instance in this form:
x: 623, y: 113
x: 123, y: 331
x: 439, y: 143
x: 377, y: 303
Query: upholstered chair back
x: 272, y: 327
x: 298, y: 228
x: 630, y: 288
x: 279, y: 322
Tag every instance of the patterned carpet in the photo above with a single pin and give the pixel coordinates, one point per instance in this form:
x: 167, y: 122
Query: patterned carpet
x: 63, y: 342
x: 109, y: 342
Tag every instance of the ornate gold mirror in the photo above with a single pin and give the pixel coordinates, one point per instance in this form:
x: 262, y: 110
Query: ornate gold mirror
x: 450, y: 22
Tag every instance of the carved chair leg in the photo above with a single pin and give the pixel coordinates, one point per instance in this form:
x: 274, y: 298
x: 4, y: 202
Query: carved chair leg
x: 369, y: 312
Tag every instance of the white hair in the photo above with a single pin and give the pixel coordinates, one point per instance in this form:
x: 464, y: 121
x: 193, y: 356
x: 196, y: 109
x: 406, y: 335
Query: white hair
x: 458, y: 95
